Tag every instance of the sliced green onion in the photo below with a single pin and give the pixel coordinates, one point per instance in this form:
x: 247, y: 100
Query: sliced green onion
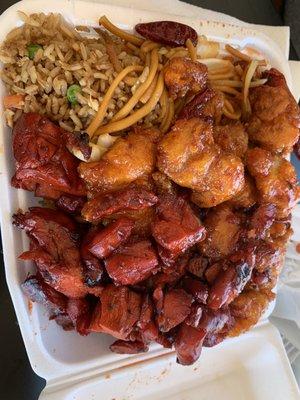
x: 72, y: 92
x: 32, y: 49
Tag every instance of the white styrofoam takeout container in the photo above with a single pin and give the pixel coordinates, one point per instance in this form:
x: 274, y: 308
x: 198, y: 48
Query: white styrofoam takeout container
x: 253, y: 366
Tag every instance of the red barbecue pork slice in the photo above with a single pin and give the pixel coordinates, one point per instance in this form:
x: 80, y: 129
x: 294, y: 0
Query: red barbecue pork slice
x: 43, y: 162
x: 125, y: 347
x: 188, y: 344
x: 79, y: 311
x: 176, y: 307
x: 146, y: 323
x: 197, y: 266
x: 117, y: 312
x: 196, y: 288
x: 170, y: 275
x: 55, y: 303
x: 176, y: 227
x: 106, y: 240
x: 132, y: 263
x: 64, y: 278
x: 128, y: 199
x: 56, y: 251
x: 195, y: 315
x: 70, y: 204
x: 232, y: 278
x: 189, y: 340
x: 93, y: 268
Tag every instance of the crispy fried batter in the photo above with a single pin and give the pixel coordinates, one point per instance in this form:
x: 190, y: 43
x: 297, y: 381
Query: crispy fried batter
x: 232, y: 138
x: 189, y: 156
x: 247, y: 197
x: 129, y: 158
x: 223, y: 227
x: 184, y: 76
x: 247, y: 308
x: 275, y: 119
x: 275, y: 179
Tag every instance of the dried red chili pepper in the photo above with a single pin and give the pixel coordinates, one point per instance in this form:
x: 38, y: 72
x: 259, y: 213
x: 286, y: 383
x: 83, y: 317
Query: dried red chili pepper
x: 167, y: 32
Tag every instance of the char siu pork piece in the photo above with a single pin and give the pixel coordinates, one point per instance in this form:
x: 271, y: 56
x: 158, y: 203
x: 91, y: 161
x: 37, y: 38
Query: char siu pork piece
x: 197, y: 266
x: 93, y: 268
x: 70, y: 204
x: 171, y: 274
x: 233, y: 276
x: 106, y: 240
x: 128, y: 199
x: 55, y: 303
x: 128, y: 347
x: 176, y: 227
x: 189, y: 340
x: 196, y: 288
x: 146, y: 323
x: 275, y: 178
x: 79, y: 311
x: 43, y: 163
x: 275, y: 120
x: 118, y: 310
x: 175, y: 307
x: 69, y: 313
x: 56, y: 249
x: 188, y: 344
x: 132, y: 263
x: 184, y: 76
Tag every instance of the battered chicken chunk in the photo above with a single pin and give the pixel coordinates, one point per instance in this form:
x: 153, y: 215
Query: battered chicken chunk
x: 247, y: 308
x: 189, y: 156
x: 129, y: 158
x: 184, y: 76
x: 275, y: 119
x: 275, y: 179
x: 223, y: 227
x: 268, y: 265
x: 247, y: 197
x: 232, y: 138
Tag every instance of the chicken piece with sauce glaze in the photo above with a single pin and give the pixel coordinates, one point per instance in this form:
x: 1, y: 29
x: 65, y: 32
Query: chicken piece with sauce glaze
x: 189, y: 156
x: 183, y: 76
x: 275, y: 180
x: 275, y: 120
x: 130, y: 158
x: 223, y: 227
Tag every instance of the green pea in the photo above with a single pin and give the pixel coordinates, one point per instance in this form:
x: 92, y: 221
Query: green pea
x: 32, y: 49
x: 72, y: 92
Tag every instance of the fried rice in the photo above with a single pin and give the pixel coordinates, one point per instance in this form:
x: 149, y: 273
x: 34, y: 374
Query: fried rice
x: 67, y: 55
